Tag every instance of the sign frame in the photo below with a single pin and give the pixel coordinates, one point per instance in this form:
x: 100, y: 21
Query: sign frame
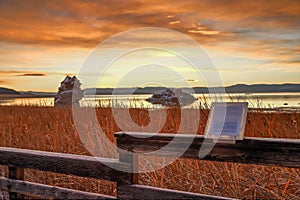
x: 226, y: 121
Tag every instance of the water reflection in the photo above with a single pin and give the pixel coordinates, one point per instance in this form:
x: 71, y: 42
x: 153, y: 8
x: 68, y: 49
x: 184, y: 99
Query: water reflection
x: 259, y: 100
x: 48, y: 101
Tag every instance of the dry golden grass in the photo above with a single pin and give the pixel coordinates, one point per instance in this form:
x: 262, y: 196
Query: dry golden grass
x: 52, y: 129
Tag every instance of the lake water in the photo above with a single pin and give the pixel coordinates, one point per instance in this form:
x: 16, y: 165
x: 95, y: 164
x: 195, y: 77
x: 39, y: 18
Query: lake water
x: 255, y: 100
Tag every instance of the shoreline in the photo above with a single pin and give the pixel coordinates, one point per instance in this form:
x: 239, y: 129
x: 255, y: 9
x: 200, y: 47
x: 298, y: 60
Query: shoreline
x: 250, y: 110
x: 285, y: 107
x: 15, y: 96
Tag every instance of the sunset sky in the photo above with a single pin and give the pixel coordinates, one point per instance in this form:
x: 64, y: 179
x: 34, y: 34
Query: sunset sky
x: 248, y: 41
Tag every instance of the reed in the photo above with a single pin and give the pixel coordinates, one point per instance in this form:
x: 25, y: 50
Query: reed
x: 52, y: 129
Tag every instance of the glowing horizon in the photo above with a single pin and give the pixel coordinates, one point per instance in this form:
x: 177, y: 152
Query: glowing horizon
x: 249, y: 42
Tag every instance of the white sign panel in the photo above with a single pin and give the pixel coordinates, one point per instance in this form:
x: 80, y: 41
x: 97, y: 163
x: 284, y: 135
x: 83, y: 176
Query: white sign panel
x: 227, y: 121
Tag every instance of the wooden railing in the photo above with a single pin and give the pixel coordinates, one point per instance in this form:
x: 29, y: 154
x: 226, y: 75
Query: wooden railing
x: 84, y: 166
x: 251, y: 150
x: 279, y: 152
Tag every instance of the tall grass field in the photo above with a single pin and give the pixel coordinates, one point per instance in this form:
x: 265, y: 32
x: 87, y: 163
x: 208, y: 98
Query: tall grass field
x: 52, y: 129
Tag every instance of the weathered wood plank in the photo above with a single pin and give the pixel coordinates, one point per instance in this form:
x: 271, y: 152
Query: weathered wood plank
x: 46, y: 191
x: 264, y: 151
x: 147, y: 192
x: 18, y: 174
x: 133, y: 161
x: 170, y: 136
x: 84, y: 166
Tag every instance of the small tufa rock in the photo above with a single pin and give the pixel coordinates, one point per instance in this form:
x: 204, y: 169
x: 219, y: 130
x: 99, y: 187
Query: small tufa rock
x: 69, y: 92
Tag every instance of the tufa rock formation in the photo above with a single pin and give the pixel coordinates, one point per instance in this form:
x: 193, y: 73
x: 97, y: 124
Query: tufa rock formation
x: 69, y: 92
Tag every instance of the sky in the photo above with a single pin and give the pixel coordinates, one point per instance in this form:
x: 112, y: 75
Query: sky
x: 248, y: 42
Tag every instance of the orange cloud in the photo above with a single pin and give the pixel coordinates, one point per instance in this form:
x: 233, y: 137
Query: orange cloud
x: 86, y: 23
x: 175, y: 22
x: 20, y: 73
x: 32, y: 74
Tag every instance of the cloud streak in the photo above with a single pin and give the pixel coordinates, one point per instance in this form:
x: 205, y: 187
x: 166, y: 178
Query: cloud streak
x: 32, y: 74
x: 6, y: 73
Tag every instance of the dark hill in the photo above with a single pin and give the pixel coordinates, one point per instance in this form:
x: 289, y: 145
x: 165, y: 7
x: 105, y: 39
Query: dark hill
x: 7, y: 91
x: 264, y: 88
x: 238, y: 88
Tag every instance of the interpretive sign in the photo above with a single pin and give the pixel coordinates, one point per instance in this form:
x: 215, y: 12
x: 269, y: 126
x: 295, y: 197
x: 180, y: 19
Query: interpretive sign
x: 226, y: 121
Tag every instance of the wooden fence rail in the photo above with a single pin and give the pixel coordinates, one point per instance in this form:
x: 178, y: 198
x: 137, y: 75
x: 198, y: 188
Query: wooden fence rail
x: 83, y: 166
x: 265, y: 151
x: 278, y: 152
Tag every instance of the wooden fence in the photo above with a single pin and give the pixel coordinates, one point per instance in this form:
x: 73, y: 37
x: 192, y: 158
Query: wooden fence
x: 279, y: 152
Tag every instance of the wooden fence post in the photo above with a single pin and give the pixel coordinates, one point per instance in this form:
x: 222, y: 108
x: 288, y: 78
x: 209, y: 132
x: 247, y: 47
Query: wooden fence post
x: 17, y: 174
x: 122, y: 188
x: 133, y: 161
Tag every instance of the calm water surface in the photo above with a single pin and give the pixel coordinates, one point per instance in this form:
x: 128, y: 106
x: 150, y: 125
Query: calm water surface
x: 255, y: 100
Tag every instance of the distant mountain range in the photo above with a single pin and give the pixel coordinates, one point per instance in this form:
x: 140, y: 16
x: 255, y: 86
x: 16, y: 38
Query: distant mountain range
x: 11, y: 93
x: 256, y: 88
x: 8, y: 91
x: 238, y: 88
